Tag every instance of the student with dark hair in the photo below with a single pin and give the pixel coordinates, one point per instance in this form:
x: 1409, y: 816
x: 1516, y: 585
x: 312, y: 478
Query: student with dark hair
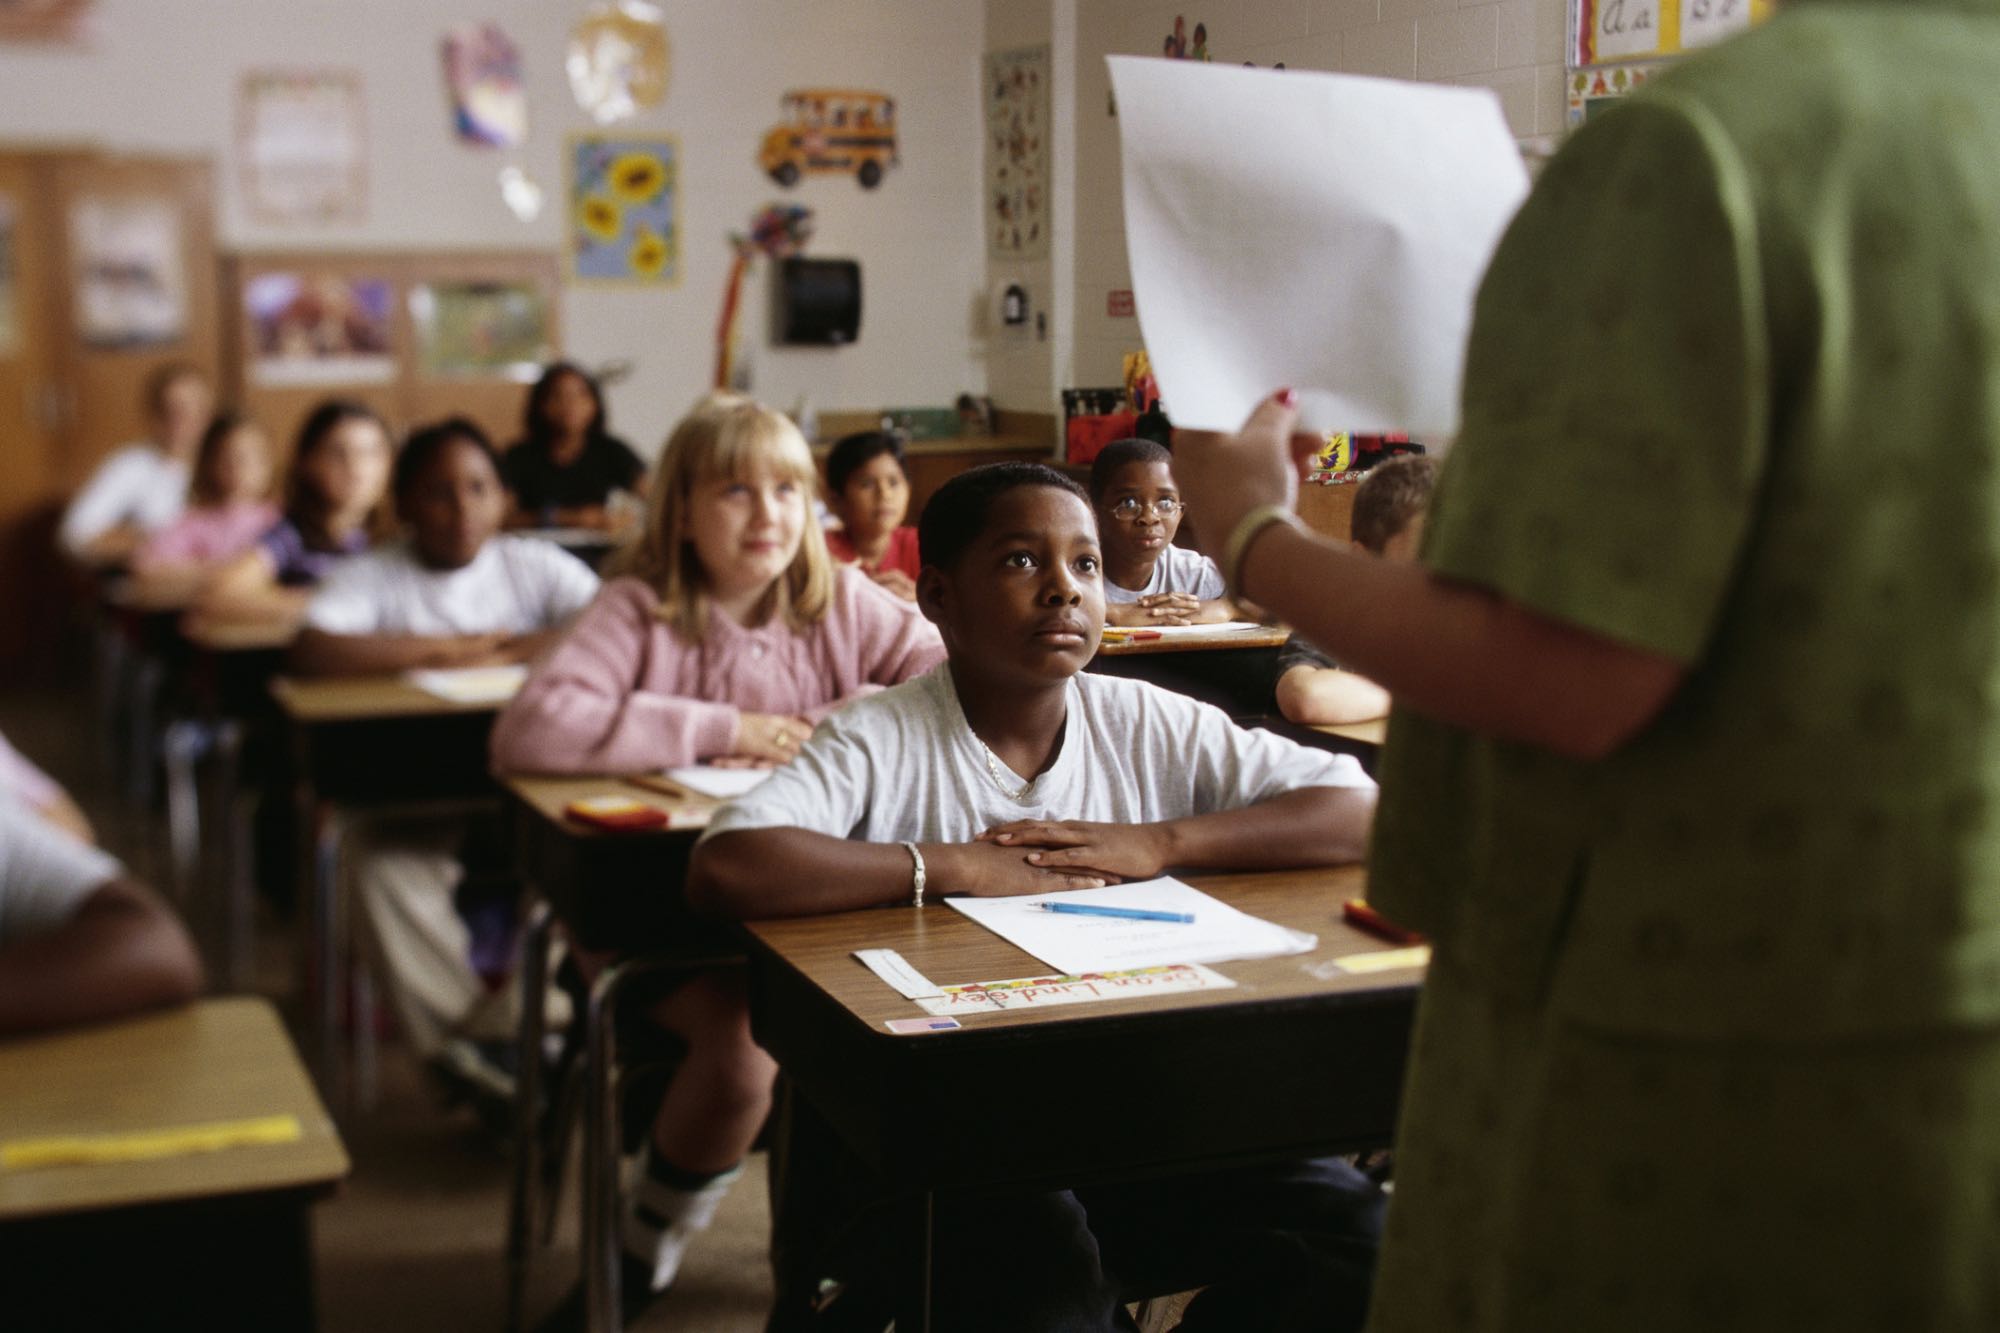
x: 453, y: 593
x: 567, y: 464
x: 1147, y: 579
x: 869, y: 492
x: 1387, y: 520
x: 140, y: 488
x: 1007, y: 771
x: 332, y: 493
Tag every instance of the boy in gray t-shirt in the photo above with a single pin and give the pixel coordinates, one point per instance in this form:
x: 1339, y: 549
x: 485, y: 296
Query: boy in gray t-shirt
x: 924, y: 785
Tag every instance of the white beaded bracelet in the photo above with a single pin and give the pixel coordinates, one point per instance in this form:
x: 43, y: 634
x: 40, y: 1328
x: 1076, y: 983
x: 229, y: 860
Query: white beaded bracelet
x: 916, y: 875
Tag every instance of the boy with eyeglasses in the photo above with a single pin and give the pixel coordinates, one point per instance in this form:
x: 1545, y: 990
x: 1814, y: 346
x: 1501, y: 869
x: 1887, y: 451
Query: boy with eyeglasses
x: 1147, y: 579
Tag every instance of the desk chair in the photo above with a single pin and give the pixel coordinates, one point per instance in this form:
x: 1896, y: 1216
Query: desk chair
x: 535, y: 1191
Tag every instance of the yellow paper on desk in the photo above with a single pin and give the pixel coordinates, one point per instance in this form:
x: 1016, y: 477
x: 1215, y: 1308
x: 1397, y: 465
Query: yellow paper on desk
x: 146, y: 1144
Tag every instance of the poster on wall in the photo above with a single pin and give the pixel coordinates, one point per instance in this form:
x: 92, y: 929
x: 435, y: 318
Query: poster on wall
x: 481, y: 330
x: 10, y: 307
x: 1017, y: 153
x: 131, y: 273
x: 319, y: 328
x: 831, y: 131
x: 1592, y: 90
x: 624, y: 196
x: 302, y: 146
x: 1605, y: 31
x: 482, y: 75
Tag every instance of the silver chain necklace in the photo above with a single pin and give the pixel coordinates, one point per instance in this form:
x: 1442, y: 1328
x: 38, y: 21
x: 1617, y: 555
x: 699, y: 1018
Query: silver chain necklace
x: 993, y: 771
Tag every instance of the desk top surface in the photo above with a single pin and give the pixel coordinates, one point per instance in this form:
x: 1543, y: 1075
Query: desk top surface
x: 238, y: 636
x: 1264, y: 636
x: 950, y: 949
x: 1372, y: 732
x: 549, y: 798
x: 215, y: 1060
x: 364, y: 698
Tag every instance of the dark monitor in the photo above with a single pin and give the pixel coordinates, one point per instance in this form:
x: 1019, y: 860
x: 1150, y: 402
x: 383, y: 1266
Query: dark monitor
x: 817, y: 301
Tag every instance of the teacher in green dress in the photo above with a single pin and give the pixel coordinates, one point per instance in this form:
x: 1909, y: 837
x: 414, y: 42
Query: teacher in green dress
x: 1692, y: 778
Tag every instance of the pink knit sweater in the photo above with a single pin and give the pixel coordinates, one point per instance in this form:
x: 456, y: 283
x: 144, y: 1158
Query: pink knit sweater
x: 623, y: 693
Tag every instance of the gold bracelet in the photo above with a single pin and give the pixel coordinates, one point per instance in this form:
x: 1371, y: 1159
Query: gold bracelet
x: 1247, y: 530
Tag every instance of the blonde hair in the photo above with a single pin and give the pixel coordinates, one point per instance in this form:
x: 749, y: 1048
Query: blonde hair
x: 726, y: 435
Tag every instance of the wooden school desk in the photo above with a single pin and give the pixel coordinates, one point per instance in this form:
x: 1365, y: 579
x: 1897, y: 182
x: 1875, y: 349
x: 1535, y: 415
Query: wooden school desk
x: 209, y: 1240
x: 1300, y: 1059
x: 367, y: 742
x: 1372, y: 732
x: 617, y: 891
x: 1232, y: 669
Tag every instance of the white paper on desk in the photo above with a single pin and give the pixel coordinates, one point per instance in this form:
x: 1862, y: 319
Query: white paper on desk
x: 1079, y: 944
x: 1197, y: 631
x: 724, y: 784
x: 1325, y: 232
x: 471, y: 685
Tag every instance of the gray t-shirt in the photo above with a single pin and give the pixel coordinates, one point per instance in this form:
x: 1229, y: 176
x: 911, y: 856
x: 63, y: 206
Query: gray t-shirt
x: 45, y: 874
x: 904, y: 766
x: 1177, y: 570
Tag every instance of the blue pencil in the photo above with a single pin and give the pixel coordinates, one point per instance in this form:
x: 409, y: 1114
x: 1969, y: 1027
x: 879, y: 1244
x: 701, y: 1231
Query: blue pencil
x: 1126, y: 913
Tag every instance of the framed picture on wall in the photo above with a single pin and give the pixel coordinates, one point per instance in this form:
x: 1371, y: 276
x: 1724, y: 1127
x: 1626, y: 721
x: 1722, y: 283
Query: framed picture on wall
x: 131, y: 270
x: 320, y: 328
x: 481, y: 329
x: 301, y: 146
x: 624, y: 209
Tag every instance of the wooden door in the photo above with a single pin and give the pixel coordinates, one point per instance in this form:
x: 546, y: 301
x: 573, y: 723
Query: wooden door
x: 136, y: 245
x: 33, y: 408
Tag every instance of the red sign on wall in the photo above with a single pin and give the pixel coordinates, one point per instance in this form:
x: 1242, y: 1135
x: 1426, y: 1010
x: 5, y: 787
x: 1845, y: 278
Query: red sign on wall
x: 1118, y: 304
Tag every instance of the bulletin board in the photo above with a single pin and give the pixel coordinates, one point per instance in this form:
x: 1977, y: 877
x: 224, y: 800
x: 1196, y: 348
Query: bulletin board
x: 416, y: 336
x: 1607, y: 31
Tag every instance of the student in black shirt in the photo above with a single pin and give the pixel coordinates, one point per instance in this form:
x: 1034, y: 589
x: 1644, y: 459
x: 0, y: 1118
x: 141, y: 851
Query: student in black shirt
x: 563, y: 470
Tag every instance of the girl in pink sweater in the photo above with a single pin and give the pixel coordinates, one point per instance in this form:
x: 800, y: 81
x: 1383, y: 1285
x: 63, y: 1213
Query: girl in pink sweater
x: 729, y: 634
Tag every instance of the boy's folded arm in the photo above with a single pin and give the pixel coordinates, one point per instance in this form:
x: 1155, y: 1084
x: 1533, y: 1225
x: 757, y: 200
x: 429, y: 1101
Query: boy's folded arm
x: 122, y: 952
x: 1311, y: 826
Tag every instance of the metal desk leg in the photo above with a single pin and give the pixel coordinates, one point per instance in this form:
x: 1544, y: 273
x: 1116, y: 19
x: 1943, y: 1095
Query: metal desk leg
x: 913, y: 1294
x: 234, y: 874
x: 521, y: 1203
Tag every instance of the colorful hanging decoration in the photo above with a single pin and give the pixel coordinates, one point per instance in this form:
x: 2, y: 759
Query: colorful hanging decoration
x: 777, y: 232
x: 624, y: 196
x: 482, y: 74
x: 619, y: 60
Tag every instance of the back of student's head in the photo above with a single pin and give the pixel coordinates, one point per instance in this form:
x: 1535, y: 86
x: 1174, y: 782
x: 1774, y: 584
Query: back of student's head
x: 427, y: 443
x: 305, y: 504
x: 851, y: 453
x: 955, y: 517
x: 1118, y: 455
x: 535, y: 425
x: 727, y: 436
x: 1395, y: 492
x: 208, y: 485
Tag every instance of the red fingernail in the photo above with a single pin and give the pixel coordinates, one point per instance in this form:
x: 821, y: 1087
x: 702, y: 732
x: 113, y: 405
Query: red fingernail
x: 1288, y: 397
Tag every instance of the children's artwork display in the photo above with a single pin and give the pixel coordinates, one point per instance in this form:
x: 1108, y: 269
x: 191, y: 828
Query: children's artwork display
x: 301, y: 146
x: 1605, y: 31
x: 619, y: 60
x: 1592, y: 90
x: 1017, y: 153
x: 481, y: 329
x: 320, y: 329
x: 624, y: 193
x: 482, y: 75
x: 831, y: 131
x: 10, y: 304
x: 131, y: 271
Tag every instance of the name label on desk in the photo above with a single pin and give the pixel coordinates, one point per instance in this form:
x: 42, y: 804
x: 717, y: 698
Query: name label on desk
x: 1041, y: 992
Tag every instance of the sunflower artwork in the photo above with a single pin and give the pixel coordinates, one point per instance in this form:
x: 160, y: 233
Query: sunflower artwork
x: 624, y: 209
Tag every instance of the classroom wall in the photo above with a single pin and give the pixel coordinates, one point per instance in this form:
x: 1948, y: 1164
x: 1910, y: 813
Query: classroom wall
x: 1514, y: 47
x: 162, y: 75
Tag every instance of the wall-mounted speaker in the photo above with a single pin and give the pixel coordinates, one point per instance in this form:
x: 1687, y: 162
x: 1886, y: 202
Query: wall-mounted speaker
x: 817, y: 301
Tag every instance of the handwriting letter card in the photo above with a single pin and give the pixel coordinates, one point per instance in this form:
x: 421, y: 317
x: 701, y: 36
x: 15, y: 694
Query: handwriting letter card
x: 1325, y: 232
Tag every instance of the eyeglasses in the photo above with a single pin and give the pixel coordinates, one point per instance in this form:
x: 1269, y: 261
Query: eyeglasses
x: 1131, y: 507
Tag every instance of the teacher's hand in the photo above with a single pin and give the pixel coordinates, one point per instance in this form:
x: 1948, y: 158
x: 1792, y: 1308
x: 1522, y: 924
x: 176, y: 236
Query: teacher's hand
x: 1223, y: 477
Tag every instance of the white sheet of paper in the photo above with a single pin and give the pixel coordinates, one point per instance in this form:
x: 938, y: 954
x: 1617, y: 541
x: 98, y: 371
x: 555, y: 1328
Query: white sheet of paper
x: 724, y: 784
x: 1322, y: 232
x: 1198, y: 631
x: 471, y: 685
x: 1080, y: 944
